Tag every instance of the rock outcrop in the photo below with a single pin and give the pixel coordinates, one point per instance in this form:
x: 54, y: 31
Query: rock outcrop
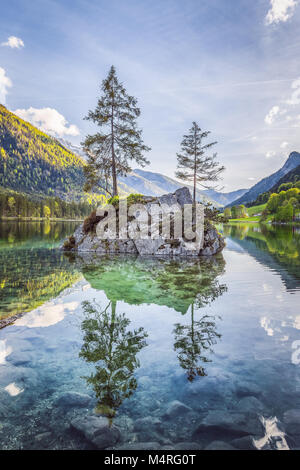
x: 207, y: 241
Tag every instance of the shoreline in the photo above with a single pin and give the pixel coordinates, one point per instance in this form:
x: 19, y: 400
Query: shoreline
x: 40, y: 219
x: 243, y: 221
x: 9, y: 320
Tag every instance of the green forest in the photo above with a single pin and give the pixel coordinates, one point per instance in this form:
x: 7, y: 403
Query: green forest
x: 14, y: 204
x: 282, y: 206
x: 33, y: 162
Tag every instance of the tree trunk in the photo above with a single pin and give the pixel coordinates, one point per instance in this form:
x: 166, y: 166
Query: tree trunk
x: 113, y: 159
x: 114, y: 175
x: 195, y: 182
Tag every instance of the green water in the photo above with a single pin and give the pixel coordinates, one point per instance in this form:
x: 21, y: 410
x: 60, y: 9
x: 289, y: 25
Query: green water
x: 32, y: 270
x: 136, y: 336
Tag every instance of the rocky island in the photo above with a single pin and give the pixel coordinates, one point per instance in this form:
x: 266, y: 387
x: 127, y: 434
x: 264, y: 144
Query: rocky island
x: 208, y: 243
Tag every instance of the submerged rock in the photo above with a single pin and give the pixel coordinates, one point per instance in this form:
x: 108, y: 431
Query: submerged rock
x: 250, y: 405
x: 244, y: 443
x: 149, y: 429
x: 187, y: 446
x: 97, y: 430
x: 219, y: 445
x: 44, y: 436
x: 292, y: 417
x: 245, y: 389
x: 176, y: 408
x: 222, y: 424
x: 69, y: 399
x: 139, y: 446
x: 206, y: 243
x: 20, y: 358
x: 147, y: 423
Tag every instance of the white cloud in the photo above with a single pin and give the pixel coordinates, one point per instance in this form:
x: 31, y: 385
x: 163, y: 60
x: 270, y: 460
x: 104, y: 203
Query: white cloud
x: 13, y: 42
x: 265, y: 323
x: 280, y: 11
x: 48, y: 120
x: 284, y: 145
x: 47, y: 315
x: 4, y: 351
x: 5, y: 83
x: 270, y: 154
x: 251, y: 178
x: 13, y: 389
x: 270, y: 117
x: 295, y: 98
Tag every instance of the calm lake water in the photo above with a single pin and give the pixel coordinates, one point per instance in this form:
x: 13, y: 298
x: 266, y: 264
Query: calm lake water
x: 177, y: 354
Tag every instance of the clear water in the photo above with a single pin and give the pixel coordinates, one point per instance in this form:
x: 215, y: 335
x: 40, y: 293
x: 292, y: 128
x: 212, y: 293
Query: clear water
x: 220, y: 336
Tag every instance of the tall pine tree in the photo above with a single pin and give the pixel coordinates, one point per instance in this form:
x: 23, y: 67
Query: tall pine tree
x: 194, y: 164
x: 118, y: 142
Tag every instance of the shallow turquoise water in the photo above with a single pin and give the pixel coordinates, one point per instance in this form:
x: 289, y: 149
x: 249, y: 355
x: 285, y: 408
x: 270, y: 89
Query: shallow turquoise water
x: 219, y: 336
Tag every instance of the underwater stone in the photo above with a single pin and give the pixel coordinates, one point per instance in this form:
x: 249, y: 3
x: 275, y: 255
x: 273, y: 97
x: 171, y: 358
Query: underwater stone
x: 228, y: 425
x: 176, y: 408
x: 140, y: 446
x: 21, y: 376
x: 147, y: 423
x: 292, y: 417
x: 250, y: 405
x: 73, y: 399
x: 187, y: 446
x: 245, y: 389
x: 97, y: 430
x: 219, y: 445
x: 19, y: 358
x: 44, y: 436
x: 244, y: 443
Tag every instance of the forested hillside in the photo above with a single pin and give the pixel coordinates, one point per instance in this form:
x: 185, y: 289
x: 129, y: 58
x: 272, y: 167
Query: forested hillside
x: 33, y: 162
x: 16, y: 204
x: 291, y: 177
x: 265, y: 185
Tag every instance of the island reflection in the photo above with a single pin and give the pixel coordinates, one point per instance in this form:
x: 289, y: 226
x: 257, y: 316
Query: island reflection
x: 187, y: 286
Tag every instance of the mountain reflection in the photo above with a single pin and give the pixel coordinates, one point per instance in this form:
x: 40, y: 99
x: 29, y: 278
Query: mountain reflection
x: 277, y: 247
x: 113, y: 349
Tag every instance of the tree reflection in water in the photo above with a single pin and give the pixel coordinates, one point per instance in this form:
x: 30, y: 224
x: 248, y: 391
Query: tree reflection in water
x: 192, y: 341
x: 195, y: 340
x: 113, y: 348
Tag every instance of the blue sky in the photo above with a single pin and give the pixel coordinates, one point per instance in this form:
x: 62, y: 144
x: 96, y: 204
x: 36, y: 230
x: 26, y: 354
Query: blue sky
x: 230, y: 65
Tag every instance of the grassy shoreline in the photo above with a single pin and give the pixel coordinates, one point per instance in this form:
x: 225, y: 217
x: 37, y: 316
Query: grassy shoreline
x: 40, y: 219
x: 260, y: 222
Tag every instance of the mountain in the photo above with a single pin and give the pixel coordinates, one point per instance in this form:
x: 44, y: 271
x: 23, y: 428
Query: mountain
x: 152, y: 184
x: 267, y: 183
x: 76, y: 149
x: 291, y: 177
x: 224, y: 198
x: 156, y: 184
x: 35, y: 163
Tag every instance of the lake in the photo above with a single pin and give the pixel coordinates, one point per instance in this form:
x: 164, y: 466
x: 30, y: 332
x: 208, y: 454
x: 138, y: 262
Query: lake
x: 174, y: 353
